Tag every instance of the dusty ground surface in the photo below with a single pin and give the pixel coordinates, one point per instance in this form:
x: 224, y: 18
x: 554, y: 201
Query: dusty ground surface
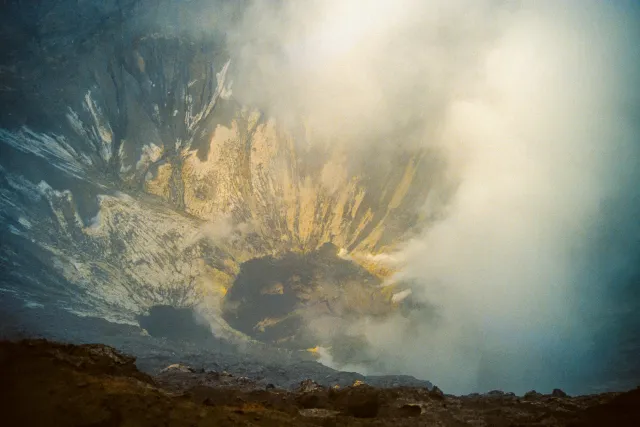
x: 51, y: 384
x: 257, y: 361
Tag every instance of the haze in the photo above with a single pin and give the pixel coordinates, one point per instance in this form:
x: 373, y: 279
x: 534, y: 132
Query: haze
x: 274, y: 127
x: 535, y: 106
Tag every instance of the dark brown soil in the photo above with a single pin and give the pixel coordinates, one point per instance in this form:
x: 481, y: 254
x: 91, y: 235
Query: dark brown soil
x: 51, y: 384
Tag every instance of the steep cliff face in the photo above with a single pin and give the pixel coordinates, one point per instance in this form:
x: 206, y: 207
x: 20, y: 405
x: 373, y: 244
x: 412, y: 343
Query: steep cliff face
x: 131, y: 177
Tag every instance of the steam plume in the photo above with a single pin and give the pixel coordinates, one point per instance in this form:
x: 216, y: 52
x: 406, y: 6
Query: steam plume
x: 533, y: 104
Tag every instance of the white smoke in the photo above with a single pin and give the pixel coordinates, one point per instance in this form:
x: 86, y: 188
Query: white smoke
x: 532, y: 103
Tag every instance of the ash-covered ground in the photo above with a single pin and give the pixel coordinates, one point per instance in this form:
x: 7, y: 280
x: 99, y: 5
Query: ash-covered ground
x: 184, y: 343
x: 48, y: 383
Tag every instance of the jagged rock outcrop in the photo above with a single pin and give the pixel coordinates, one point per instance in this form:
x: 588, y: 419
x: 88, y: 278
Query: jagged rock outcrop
x: 558, y: 393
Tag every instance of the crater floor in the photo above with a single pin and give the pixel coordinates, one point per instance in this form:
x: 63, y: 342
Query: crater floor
x: 274, y: 299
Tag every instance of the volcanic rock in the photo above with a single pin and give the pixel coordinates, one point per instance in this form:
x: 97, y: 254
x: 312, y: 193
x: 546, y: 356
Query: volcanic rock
x: 410, y: 410
x: 363, y: 402
x: 532, y: 395
x: 307, y: 386
x: 558, y: 393
x: 436, y: 393
x: 49, y: 384
x: 176, y: 367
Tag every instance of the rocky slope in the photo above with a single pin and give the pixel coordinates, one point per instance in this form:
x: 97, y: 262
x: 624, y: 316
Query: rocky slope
x: 131, y: 177
x: 54, y: 384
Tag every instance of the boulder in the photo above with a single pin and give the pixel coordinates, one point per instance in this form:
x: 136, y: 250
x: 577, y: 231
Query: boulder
x: 177, y: 367
x: 436, y: 393
x: 558, y: 393
x: 363, y: 404
x: 308, y: 385
x: 410, y: 410
x: 532, y: 395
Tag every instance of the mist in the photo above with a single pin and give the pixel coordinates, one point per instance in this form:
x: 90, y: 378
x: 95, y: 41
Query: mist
x: 535, y: 107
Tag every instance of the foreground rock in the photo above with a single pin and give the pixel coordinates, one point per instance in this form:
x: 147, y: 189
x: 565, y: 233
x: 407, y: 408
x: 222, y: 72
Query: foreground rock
x: 51, y: 384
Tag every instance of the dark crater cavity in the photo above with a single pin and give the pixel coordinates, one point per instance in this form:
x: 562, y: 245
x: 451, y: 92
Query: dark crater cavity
x: 179, y: 324
x: 274, y: 298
